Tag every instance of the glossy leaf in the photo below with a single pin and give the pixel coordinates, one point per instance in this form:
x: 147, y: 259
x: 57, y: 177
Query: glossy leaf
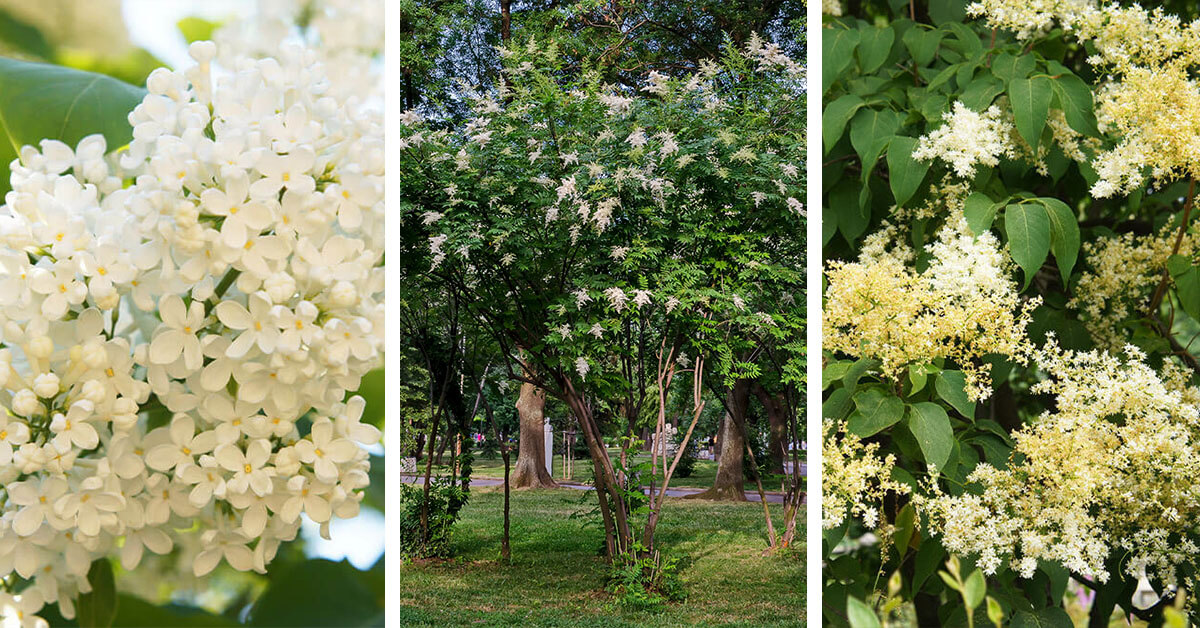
x: 40, y: 101
x: 875, y: 411
x: 1064, y: 235
x: 1031, y: 104
x: 929, y: 424
x: 1028, y: 230
x: 904, y: 173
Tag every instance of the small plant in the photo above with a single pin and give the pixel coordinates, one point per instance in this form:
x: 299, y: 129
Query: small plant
x: 645, y: 581
x: 445, y: 502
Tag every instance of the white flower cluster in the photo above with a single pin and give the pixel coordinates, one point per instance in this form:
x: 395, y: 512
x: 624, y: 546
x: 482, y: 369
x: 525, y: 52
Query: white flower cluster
x: 968, y: 138
x: 346, y: 34
x: 181, y: 321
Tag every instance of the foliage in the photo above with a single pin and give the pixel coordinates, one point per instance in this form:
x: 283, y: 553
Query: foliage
x: 645, y: 581
x: 445, y: 502
x: 1010, y: 303
x: 630, y: 181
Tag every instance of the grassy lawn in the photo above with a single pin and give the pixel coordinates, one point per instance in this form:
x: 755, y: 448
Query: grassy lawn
x: 557, y: 576
x: 702, y: 476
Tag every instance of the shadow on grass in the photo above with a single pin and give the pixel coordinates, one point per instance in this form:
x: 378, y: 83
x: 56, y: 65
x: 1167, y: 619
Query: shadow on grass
x: 557, y: 574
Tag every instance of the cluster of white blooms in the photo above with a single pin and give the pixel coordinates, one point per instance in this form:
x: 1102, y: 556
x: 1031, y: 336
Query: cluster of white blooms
x: 1148, y: 100
x: 180, y: 322
x: 1111, y: 468
x: 968, y: 138
x: 963, y: 305
x: 1028, y: 18
x: 854, y: 477
x: 346, y: 34
x: 831, y: 7
x: 622, y: 155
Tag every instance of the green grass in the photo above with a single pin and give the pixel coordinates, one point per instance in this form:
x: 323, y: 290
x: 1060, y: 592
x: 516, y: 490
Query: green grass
x: 703, y: 475
x: 557, y: 575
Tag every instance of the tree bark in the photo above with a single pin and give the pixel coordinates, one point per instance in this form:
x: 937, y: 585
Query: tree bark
x: 777, y: 422
x: 617, y: 535
x: 530, y: 470
x: 730, y: 481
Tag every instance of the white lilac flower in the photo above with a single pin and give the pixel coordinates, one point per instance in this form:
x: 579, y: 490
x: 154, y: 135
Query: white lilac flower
x: 238, y: 238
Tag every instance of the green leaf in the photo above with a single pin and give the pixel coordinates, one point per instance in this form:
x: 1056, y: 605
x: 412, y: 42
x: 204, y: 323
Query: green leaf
x: 837, y: 47
x: 316, y: 592
x: 1075, y: 96
x: 372, y: 389
x: 835, y: 117
x: 928, y: 558
x: 870, y: 130
x: 929, y: 424
x: 975, y: 588
x: 859, y: 368
x: 134, y: 612
x: 906, y: 525
x: 994, y: 612
x: 1008, y: 67
x: 1031, y: 104
x: 196, y: 28
x: 859, y: 614
x: 98, y: 607
x: 874, y: 411
x: 904, y: 173
x: 1064, y: 235
x: 980, y: 212
x: 978, y: 96
x: 1028, y: 230
x: 1187, y: 284
x: 951, y: 386
x: 922, y: 44
x: 917, y: 378
x: 947, y: 11
x: 40, y: 101
x: 874, y: 45
x: 837, y: 404
x: 1050, y: 617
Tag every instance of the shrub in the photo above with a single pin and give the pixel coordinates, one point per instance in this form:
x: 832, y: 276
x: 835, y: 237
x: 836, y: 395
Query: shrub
x: 645, y: 581
x: 445, y: 502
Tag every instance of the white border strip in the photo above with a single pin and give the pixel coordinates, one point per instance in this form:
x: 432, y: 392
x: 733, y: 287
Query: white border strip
x: 815, y: 263
x: 391, y: 361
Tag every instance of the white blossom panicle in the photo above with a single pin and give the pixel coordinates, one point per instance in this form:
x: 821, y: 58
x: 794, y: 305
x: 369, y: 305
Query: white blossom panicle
x: 967, y: 139
x: 179, y: 326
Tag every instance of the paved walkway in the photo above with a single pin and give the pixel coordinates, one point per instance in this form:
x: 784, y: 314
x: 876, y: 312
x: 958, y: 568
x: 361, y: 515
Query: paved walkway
x: 773, y: 497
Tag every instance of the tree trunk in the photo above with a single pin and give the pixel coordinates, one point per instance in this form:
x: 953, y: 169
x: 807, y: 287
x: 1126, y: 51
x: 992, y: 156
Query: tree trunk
x: 730, y: 481
x: 777, y: 422
x: 617, y: 534
x: 530, y: 470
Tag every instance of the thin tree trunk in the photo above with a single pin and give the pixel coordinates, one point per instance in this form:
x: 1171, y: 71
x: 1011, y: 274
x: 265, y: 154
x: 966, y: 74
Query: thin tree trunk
x: 612, y: 504
x: 762, y: 496
x: 505, y: 547
x: 530, y: 471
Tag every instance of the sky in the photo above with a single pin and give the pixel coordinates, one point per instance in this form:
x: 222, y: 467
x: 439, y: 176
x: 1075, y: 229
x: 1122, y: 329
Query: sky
x: 151, y: 25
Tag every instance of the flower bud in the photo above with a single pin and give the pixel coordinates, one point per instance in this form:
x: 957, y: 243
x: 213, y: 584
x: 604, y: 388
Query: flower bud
x: 41, y: 347
x: 25, y: 403
x: 343, y: 294
x: 46, y: 385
